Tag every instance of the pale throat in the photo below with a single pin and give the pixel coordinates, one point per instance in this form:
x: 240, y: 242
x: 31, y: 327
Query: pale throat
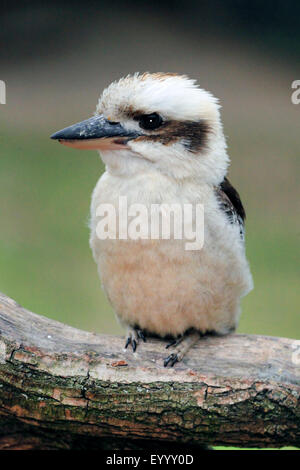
x: 125, y: 162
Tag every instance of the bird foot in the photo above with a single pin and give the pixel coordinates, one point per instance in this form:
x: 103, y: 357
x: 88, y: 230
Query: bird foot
x: 171, y: 360
x: 182, y: 346
x: 133, y: 337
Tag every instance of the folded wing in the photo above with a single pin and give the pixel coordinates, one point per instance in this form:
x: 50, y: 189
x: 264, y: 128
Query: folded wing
x: 231, y: 204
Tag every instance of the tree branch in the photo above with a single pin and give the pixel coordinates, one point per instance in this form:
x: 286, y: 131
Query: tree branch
x: 65, y: 388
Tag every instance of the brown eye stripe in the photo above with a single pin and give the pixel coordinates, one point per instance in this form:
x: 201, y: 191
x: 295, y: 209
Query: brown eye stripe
x: 194, y: 134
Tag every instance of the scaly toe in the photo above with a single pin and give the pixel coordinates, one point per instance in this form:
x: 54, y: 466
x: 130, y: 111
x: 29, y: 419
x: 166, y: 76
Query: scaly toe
x: 141, y: 335
x: 175, y: 342
x: 172, y: 343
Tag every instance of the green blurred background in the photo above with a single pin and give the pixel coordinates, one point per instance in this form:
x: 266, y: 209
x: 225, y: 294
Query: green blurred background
x: 57, y: 58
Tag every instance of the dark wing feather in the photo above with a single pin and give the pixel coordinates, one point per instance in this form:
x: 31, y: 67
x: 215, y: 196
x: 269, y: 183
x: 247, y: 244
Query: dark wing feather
x: 231, y: 204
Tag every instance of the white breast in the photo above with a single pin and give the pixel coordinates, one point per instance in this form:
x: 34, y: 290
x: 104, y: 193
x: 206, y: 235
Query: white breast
x: 157, y: 284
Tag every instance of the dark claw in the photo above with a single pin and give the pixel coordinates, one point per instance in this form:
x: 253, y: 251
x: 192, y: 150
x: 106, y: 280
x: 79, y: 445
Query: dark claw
x: 173, y: 342
x: 141, y: 335
x: 172, y: 359
x: 132, y: 342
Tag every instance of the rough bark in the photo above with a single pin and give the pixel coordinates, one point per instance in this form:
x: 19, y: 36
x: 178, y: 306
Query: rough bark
x: 65, y: 388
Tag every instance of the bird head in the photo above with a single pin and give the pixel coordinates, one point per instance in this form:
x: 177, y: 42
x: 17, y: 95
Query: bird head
x: 160, y: 121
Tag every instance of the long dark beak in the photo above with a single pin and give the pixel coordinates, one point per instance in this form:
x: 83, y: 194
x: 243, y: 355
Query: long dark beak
x: 95, y: 133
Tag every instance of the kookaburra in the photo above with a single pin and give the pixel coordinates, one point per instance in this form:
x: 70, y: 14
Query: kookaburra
x: 160, y: 137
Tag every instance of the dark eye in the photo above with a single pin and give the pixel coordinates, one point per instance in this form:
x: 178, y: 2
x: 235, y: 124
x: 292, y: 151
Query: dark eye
x: 150, y: 121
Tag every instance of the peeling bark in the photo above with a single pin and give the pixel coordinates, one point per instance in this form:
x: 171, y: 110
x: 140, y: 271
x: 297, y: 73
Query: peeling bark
x: 65, y: 388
